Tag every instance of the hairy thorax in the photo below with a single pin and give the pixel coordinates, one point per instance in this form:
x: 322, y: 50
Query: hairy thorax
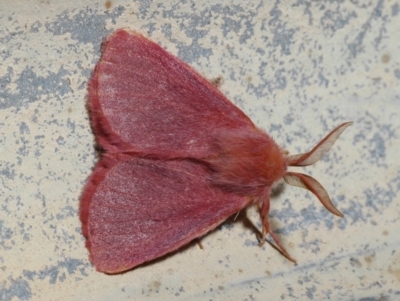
x: 246, y: 162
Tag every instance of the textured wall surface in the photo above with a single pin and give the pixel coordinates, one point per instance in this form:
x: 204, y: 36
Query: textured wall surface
x: 297, y: 68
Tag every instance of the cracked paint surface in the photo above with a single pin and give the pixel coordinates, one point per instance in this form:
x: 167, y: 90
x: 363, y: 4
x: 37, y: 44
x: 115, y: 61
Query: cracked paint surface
x: 297, y: 68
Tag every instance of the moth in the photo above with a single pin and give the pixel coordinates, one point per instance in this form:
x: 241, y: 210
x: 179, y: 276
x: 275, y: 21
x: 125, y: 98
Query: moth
x: 177, y: 157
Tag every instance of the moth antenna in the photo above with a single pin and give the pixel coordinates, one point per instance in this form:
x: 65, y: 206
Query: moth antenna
x: 309, y: 183
x: 319, y: 150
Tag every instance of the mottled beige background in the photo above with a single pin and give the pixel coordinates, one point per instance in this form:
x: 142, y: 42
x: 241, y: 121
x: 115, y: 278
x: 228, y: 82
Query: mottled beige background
x: 297, y: 68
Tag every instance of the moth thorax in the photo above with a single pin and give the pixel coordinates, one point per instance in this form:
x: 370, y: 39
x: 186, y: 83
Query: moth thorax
x: 246, y: 162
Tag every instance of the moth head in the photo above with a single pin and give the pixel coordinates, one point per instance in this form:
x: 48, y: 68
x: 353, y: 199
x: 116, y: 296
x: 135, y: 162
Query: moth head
x: 309, y: 158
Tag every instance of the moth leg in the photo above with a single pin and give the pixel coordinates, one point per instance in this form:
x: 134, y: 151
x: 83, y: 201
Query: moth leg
x: 199, y: 243
x: 266, y: 229
x: 264, y: 209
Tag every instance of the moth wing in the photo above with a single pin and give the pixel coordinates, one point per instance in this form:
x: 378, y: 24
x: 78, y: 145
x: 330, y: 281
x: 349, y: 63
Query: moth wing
x: 138, y: 209
x: 145, y: 100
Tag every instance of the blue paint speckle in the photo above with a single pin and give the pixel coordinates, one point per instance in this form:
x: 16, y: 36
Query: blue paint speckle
x: 19, y: 289
x: 85, y: 26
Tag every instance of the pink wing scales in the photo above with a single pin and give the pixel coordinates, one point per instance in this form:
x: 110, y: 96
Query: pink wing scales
x: 146, y: 101
x: 143, y: 209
